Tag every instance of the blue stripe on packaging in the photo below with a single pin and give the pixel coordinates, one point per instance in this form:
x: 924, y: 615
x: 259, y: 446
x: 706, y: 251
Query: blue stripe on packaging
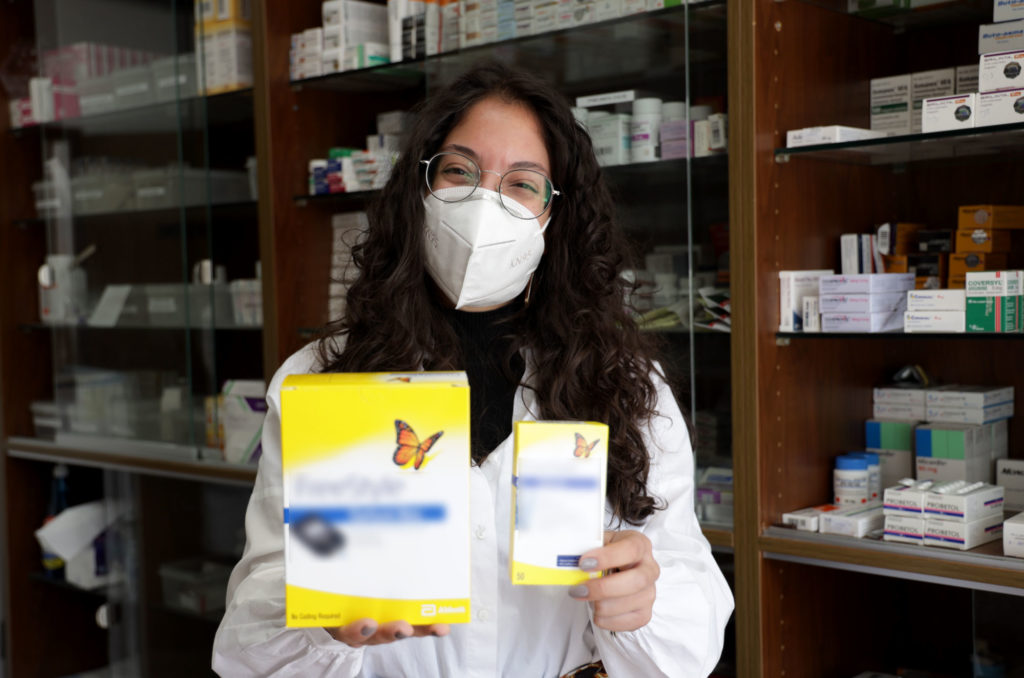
x: 377, y: 513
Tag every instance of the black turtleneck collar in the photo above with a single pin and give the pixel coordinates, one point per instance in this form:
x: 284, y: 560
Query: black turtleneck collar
x: 485, y: 338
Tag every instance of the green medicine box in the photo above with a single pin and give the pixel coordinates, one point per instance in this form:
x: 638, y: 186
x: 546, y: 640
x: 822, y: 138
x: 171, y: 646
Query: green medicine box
x: 889, y: 435
x: 993, y: 314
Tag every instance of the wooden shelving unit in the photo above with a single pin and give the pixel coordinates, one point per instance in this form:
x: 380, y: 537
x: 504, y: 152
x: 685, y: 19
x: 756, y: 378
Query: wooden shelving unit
x: 812, y: 605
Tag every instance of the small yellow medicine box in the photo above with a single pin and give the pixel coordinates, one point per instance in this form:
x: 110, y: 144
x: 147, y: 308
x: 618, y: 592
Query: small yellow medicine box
x: 991, y: 216
x: 558, y: 500
x: 982, y: 240
x: 376, y: 497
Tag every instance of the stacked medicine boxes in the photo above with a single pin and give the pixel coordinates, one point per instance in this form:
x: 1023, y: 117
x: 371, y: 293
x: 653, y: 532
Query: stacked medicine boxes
x: 999, y: 81
x: 354, y: 35
x: 982, y: 240
x: 993, y: 301
x: 863, y: 303
x: 935, y: 311
x: 950, y: 514
x: 223, y: 32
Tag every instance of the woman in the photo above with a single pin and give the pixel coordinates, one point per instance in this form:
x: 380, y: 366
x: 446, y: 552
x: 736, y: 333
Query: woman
x: 493, y: 249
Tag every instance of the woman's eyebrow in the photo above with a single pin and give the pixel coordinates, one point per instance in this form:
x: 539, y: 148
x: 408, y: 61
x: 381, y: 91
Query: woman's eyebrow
x: 522, y: 164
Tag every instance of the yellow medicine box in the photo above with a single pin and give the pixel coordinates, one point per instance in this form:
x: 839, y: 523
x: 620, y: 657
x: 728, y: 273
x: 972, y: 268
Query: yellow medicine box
x: 558, y: 500
x: 991, y: 216
x: 982, y: 240
x: 376, y: 497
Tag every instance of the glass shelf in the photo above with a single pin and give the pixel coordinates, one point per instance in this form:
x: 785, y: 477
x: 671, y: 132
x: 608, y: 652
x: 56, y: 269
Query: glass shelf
x: 995, y: 140
x: 645, y: 44
x: 162, y: 117
x: 101, y: 592
x: 984, y: 567
x: 954, y: 11
x: 991, y: 336
x: 133, y: 456
x: 171, y: 213
x: 662, y: 170
x: 202, y: 327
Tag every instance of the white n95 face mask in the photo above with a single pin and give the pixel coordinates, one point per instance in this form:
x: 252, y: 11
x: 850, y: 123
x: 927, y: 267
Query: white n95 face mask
x: 478, y: 253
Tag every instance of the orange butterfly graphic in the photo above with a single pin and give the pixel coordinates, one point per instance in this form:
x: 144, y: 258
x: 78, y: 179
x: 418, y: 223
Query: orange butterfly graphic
x: 410, y: 450
x: 582, y: 449
x: 404, y: 380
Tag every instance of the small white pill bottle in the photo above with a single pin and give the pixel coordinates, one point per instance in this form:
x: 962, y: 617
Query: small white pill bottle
x: 850, y: 481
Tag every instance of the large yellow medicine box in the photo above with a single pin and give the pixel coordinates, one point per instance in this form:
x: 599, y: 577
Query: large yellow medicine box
x: 376, y: 497
x: 991, y: 216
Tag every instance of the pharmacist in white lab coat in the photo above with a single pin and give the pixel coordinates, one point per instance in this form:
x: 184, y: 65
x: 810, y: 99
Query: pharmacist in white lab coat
x: 493, y: 249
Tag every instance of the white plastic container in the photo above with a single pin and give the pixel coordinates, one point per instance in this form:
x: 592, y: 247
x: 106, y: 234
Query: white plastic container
x: 673, y: 111
x: 851, y: 481
x: 874, y: 474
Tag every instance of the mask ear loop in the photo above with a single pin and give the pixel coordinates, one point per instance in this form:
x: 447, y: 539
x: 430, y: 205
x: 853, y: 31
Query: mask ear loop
x: 529, y: 290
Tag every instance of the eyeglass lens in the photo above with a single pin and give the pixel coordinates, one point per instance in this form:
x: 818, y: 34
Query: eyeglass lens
x: 528, y: 189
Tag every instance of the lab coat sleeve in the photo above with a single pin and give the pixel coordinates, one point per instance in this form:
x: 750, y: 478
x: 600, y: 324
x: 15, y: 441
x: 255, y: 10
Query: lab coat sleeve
x: 252, y: 639
x: 693, y: 600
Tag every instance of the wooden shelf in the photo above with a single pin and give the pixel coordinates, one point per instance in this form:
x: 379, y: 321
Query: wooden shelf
x: 984, y: 568
x: 145, y: 463
x: 783, y: 338
x: 45, y: 327
x: 719, y: 536
x: 954, y: 11
x: 992, y: 141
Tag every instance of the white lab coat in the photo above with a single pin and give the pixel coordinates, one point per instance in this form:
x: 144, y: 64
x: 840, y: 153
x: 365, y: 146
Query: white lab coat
x: 534, y: 631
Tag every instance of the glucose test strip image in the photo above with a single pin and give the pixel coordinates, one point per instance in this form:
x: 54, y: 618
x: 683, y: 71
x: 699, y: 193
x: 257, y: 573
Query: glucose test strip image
x: 558, y: 498
x: 376, y: 498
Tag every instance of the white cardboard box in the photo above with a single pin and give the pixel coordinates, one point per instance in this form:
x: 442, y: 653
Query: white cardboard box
x: 1000, y: 108
x: 1010, y: 476
x: 904, y: 529
x: 890, y: 105
x: 972, y: 470
x: 1001, y: 70
x: 872, y: 283
x: 1002, y: 37
x: 885, y: 302
x: 901, y: 500
x: 934, y: 321
x: 891, y: 321
x: 968, y: 396
x: 808, y: 519
x: 928, y: 85
x: 895, y: 464
x: 967, y: 78
x: 969, y: 415
x: 1013, y: 536
x: 936, y: 300
x: 942, y: 114
x: 828, y: 134
x: 853, y: 521
x: 981, y: 503
x: 1007, y: 10
x: 901, y: 396
x: 899, y: 411
x: 952, y: 534
x: 793, y: 287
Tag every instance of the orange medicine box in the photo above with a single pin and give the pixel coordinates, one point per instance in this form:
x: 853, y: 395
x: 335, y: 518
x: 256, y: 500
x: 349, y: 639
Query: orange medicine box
x: 991, y: 216
x: 957, y: 282
x: 963, y: 263
x: 982, y: 240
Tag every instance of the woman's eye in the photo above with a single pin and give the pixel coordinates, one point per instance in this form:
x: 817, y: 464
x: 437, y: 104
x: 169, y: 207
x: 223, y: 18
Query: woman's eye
x: 457, y: 171
x: 524, y: 186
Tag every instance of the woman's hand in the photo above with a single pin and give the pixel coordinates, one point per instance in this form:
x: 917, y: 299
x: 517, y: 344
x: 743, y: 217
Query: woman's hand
x: 368, y: 632
x: 624, y: 597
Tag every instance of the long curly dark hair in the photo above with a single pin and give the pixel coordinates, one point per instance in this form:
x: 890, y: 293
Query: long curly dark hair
x: 589, y: 359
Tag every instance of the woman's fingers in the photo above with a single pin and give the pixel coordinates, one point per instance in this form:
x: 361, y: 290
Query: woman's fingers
x: 368, y: 632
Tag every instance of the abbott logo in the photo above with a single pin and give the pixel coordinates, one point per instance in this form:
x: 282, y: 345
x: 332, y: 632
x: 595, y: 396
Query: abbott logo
x: 428, y: 610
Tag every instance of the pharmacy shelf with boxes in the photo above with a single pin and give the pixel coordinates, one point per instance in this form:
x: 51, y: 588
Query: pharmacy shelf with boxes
x: 86, y: 79
x: 956, y: 98
x: 356, y: 35
x: 911, y: 278
x: 935, y: 471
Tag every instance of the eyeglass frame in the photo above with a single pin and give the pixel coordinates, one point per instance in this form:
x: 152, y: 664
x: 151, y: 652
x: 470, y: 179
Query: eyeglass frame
x: 501, y: 179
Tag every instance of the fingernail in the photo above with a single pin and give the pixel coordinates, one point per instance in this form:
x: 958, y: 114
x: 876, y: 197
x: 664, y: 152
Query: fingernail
x: 399, y: 635
x: 578, y: 591
x: 588, y: 564
x: 367, y: 631
x: 435, y: 634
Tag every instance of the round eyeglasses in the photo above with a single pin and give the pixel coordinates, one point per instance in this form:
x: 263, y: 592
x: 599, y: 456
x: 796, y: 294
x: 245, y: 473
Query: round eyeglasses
x: 524, y: 193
